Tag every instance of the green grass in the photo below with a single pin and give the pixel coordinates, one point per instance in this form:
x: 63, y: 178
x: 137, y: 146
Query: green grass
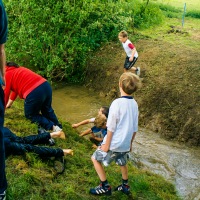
x: 172, y: 31
x: 179, y: 4
x: 29, y: 177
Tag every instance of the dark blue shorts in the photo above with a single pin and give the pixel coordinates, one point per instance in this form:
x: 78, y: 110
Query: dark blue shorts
x: 128, y: 64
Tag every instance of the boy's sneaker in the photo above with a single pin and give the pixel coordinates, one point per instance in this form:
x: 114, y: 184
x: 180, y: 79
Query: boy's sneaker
x: 52, y: 142
x: 124, y: 188
x: 99, y: 190
x: 137, y: 71
x: 56, y: 128
x: 3, y: 196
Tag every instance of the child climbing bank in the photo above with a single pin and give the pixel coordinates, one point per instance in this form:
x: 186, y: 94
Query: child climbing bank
x: 131, y: 53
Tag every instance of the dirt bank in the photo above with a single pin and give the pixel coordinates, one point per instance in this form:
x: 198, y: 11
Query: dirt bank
x: 170, y: 96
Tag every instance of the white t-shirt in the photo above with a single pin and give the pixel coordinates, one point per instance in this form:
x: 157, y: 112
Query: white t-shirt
x: 122, y: 122
x: 92, y: 120
x: 128, y: 48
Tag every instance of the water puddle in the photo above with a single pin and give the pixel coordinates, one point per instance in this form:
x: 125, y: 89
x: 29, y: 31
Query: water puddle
x: 177, y: 163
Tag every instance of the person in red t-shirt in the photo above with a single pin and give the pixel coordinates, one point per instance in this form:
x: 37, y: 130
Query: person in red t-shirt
x: 36, y: 92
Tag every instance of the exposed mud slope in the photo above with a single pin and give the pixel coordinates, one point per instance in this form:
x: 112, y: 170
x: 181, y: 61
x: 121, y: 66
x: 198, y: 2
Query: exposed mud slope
x: 170, y: 96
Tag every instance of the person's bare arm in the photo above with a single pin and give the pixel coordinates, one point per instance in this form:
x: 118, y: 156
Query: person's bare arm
x: 86, y: 132
x: 133, y: 137
x: 132, y: 55
x: 2, y: 62
x: 87, y: 121
x: 9, y: 104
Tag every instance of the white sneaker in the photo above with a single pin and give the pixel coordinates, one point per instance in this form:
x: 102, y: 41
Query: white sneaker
x: 3, y: 196
x: 137, y: 71
x: 56, y: 128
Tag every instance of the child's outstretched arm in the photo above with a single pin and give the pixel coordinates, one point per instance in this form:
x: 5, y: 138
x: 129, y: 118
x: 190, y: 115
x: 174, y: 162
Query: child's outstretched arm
x: 87, y: 121
x: 86, y: 132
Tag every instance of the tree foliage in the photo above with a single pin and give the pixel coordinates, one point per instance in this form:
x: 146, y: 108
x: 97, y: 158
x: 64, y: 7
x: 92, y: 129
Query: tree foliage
x: 55, y: 37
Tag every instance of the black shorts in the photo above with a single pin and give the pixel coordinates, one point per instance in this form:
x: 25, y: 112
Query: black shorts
x: 128, y: 64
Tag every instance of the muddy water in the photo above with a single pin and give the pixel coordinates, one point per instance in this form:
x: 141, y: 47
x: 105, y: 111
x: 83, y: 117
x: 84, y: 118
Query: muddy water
x: 177, y: 163
x: 76, y: 103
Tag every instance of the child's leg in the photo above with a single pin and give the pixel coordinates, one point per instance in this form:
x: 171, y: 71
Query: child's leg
x: 124, y: 171
x: 104, y: 188
x: 124, y: 187
x: 19, y: 149
x: 42, y: 138
x: 99, y: 169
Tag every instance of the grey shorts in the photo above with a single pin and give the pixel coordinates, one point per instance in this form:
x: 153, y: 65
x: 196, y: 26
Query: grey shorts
x: 106, y: 158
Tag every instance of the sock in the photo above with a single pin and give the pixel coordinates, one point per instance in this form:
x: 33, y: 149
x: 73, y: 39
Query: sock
x: 105, y: 183
x: 125, y: 182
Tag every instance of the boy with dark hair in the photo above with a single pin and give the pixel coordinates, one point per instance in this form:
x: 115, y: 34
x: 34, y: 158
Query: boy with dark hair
x: 122, y: 125
x: 131, y: 52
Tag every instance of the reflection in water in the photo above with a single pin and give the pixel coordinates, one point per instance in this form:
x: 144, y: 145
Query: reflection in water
x: 175, y: 162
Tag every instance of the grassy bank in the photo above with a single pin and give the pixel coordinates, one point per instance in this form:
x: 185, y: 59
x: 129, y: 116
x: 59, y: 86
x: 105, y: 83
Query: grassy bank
x: 29, y: 177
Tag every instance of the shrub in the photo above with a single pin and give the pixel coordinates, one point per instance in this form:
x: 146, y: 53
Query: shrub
x: 55, y: 38
x: 146, y: 16
x: 193, y: 13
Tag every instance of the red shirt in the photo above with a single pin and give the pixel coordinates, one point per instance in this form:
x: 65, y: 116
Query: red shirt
x: 20, y: 81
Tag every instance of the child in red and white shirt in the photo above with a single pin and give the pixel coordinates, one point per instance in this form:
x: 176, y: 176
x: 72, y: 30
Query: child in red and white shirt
x: 131, y: 52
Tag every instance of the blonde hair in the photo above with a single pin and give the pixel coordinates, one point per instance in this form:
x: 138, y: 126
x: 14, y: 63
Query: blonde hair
x: 100, y: 121
x: 129, y: 82
x: 123, y: 34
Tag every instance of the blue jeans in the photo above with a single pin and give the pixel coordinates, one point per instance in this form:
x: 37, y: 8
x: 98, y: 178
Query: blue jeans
x: 3, y: 182
x: 20, y: 145
x: 38, y: 109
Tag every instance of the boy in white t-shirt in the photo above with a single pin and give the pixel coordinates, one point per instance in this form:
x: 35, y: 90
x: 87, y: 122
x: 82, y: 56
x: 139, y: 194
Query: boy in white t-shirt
x: 131, y: 53
x: 122, y: 125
